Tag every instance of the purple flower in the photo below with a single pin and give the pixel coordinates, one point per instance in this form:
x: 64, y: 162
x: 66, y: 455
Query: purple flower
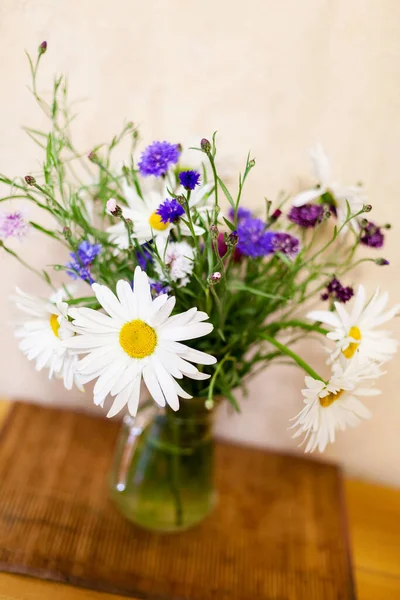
x: 285, y: 243
x: 87, y: 252
x: 13, y: 224
x: 157, y: 158
x: 254, y: 241
x: 170, y: 211
x: 336, y: 291
x: 307, y: 215
x: 372, y: 236
x: 241, y: 213
x: 144, y: 256
x: 157, y: 288
x: 189, y: 179
x: 79, y: 266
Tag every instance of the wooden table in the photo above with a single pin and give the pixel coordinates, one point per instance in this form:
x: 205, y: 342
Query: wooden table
x: 374, y: 516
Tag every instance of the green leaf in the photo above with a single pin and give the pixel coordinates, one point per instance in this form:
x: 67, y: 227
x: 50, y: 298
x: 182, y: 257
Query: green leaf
x: 226, y: 192
x: 229, y: 224
x: 245, y: 288
x: 44, y: 230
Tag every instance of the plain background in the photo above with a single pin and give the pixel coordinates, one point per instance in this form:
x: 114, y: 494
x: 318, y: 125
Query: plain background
x: 273, y: 76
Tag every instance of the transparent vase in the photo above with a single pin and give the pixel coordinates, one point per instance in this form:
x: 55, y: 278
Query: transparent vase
x: 163, y: 473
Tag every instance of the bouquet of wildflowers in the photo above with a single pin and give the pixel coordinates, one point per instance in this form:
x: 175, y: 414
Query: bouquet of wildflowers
x: 169, y: 279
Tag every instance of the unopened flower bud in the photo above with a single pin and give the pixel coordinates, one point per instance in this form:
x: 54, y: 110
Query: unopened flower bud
x: 214, y: 232
x: 67, y: 233
x: 113, y: 208
x: 367, y: 208
x: 215, y: 277
x: 181, y: 199
x: 276, y: 214
x: 381, y: 262
x: 92, y: 156
x: 42, y: 48
x: 327, y: 214
x: 233, y: 238
x: 364, y: 223
x: 209, y: 404
x: 205, y: 145
x: 129, y: 222
x: 387, y: 226
x: 252, y: 163
x: 30, y: 180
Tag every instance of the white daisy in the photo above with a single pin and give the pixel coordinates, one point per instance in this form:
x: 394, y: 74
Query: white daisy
x: 137, y: 338
x: 42, y: 335
x: 354, y: 195
x: 355, y: 330
x: 147, y: 224
x: 335, y: 405
x: 178, y: 258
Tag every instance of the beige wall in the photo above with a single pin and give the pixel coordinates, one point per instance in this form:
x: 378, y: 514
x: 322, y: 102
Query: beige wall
x: 273, y: 76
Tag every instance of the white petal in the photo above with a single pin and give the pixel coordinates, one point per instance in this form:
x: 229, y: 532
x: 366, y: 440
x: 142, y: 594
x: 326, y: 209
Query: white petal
x: 189, y: 332
x: 152, y: 385
x: 110, y: 303
x: 307, y: 196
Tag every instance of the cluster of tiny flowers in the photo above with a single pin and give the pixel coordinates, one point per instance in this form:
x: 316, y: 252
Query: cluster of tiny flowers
x: 372, y: 236
x: 336, y: 291
x: 79, y: 266
x: 157, y: 158
x: 241, y: 213
x: 189, y: 179
x: 144, y: 256
x: 285, y: 243
x: 254, y: 240
x: 14, y: 225
x: 308, y: 215
x: 170, y: 211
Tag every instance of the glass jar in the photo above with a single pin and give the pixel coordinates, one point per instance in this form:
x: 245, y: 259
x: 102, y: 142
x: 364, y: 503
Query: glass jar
x: 163, y: 473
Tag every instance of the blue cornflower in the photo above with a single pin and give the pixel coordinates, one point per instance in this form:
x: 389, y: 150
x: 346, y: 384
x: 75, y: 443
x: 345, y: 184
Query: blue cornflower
x: 189, y: 179
x: 170, y: 211
x: 144, y: 256
x: 157, y: 158
x: 241, y: 213
x: 79, y: 266
x: 157, y: 288
x: 254, y: 240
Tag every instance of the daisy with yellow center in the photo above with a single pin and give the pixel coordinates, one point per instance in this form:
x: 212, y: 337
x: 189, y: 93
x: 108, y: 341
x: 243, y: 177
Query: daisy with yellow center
x: 333, y: 405
x: 137, y: 339
x: 41, y: 336
x: 356, y: 331
x: 147, y: 223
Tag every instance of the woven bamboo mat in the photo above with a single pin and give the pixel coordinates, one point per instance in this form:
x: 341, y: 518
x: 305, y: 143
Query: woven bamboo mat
x: 277, y: 534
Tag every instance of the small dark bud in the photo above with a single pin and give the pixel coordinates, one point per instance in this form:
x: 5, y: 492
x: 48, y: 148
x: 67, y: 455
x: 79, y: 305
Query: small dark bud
x: 233, y: 238
x: 30, y: 180
x: 215, y: 278
x: 252, y: 163
x: 92, y: 156
x: 381, y: 262
x: 129, y: 222
x: 364, y: 223
x: 180, y: 147
x: 276, y: 214
x: 181, y: 200
x: 387, y: 226
x: 327, y: 214
x: 205, y: 145
x: 42, y: 48
x: 214, y: 232
x: 325, y: 296
x: 67, y: 233
x: 367, y: 208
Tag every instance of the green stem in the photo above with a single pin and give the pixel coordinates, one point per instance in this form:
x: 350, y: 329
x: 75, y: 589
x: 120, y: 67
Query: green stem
x: 26, y: 265
x: 285, y: 350
x: 306, y: 326
x: 175, y: 475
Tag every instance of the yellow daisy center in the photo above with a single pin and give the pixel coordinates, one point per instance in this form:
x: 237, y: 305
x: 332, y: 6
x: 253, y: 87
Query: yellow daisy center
x: 350, y: 351
x: 138, y: 339
x: 330, y: 398
x: 156, y: 223
x: 54, y: 324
